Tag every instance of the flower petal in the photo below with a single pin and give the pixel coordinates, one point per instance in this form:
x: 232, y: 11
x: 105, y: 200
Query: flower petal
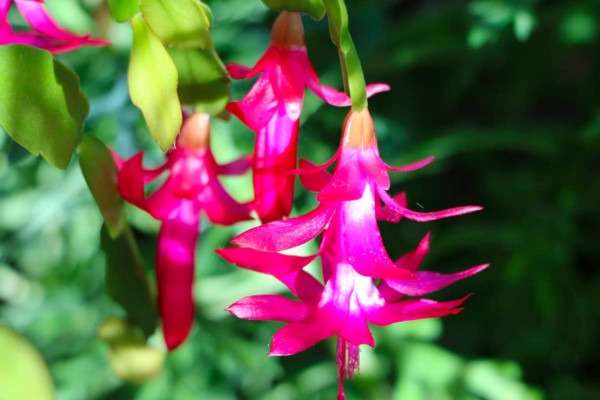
x: 296, y: 337
x: 356, y: 227
x: 384, y: 213
x: 286, y: 268
x: 413, y: 166
x: 413, y: 260
x: 269, y: 308
x: 316, y: 180
x: 175, y: 273
x: 427, y: 282
x: 425, y: 216
x: 220, y: 207
x: 411, y: 310
x: 57, y: 39
x: 236, y: 167
x: 288, y: 233
x: 275, y: 264
x: 347, y: 183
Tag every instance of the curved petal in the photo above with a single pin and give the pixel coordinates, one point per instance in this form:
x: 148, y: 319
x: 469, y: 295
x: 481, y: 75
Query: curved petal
x: 58, y: 39
x: 425, y: 216
x: 130, y: 180
x: 268, y: 307
x: 361, y: 240
x: 384, y: 213
x: 236, y: 167
x: 313, y: 181
x: 413, y: 166
x: 296, y: 337
x: 411, y: 310
x: 356, y: 330
x: 288, y: 233
x: 286, y: 268
x: 427, y: 282
x: 220, y: 207
x: 413, y: 260
x: 347, y: 183
x: 275, y: 264
x: 175, y: 274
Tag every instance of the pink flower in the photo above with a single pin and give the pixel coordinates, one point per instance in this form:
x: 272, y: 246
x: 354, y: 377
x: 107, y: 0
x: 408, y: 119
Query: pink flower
x: 45, y: 34
x: 352, y: 257
x: 191, y: 186
x: 272, y: 110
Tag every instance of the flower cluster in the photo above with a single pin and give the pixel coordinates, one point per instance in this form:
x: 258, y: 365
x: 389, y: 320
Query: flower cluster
x: 272, y: 110
x: 45, y: 32
x: 361, y: 284
x: 192, y: 186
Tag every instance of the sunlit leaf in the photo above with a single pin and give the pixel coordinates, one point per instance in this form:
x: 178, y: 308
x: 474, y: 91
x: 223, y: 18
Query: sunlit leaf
x: 314, y: 8
x: 153, y: 84
x: 183, y: 23
x: 42, y: 106
x: 123, y: 10
x: 23, y: 372
x: 100, y: 171
x: 203, y: 80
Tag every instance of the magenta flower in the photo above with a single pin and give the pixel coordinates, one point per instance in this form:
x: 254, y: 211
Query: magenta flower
x: 192, y: 186
x: 46, y: 33
x: 352, y: 256
x: 272, y: 110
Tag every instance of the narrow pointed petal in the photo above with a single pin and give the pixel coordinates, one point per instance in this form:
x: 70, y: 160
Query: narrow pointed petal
x: 411, y: 310
x: 296, y: 337
x: 315, y: 180
x: 384, y: 213
x: 58, y: 39
x: 237, y: 167
x: 220, y: 207
x: 428, y: 282
x: 131, y: 180
x: 175, y: 274
x: 275, y: 264
x: 425, y: 216
x: 347, y: 183
x: 269, y: 308
x: 413, y: 260
x: 285, y: 234
x: 286, y: 268
x: 333, y: 96
x: 413, y: 166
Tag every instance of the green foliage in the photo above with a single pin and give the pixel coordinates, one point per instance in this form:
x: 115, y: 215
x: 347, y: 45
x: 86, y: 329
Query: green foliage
x: 153, y: 84
x: 23, y: 373
x: 100, y: 173
x: 514, y: 125
x: 203, y: 79
x: 126, y: 280
x: 37, y: 86
x: 354, y: 79
x: 184, y: 23
x: 123, y: 10
x: 314, y: 8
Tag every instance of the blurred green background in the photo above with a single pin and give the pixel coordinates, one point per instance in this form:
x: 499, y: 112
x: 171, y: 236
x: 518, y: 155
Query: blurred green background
x: 504, y: 93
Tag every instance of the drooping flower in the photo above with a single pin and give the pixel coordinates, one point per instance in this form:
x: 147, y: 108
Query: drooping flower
x: 45, y: 32
x: 191, y: 187
x: 272, y: 110
x: 361, y: 284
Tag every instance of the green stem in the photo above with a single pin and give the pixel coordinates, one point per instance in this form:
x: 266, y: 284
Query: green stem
x: 354, y: 79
